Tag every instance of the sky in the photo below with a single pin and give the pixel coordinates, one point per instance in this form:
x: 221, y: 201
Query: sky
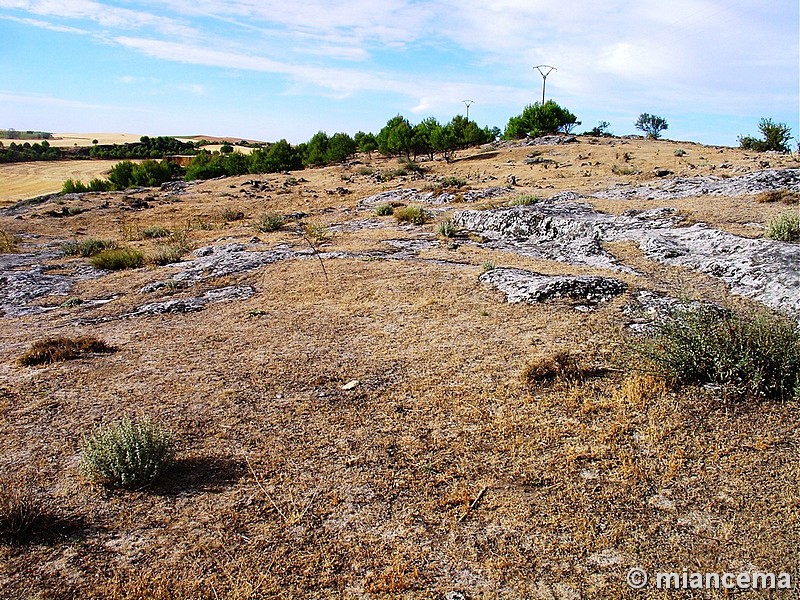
x: 272, y: 69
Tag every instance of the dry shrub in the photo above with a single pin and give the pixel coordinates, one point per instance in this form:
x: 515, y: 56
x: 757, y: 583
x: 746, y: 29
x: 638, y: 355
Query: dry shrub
x: 20, y: 513
x: 782, y: 195
x: 561, y: 366
x: 399, y: 577
x: 63, y: 348
x: 8, y: 242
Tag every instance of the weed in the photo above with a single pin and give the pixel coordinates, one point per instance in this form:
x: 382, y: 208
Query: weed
x: 452, y: 182
x: 71, y: 302
x: 413, y: 214
x: 270, y: 222
x: 782, y: 195
x: 169, y: 253
x: 785, y: 227
x: 229, y: 214
x: 488, y: 266
x: 365, y: 171
x: 384, y: 210
x: 63, y: 348
x: 447, y: 228
x: 20, y: 513
x: 747, y: 356
x: 118, y: 259
x: 316, y: 232
x: 87, y: 248
x: 524, y: 200
x: 410, y: 166
x: 617, y: 170
x: 8, y: 242
x: 129, y: 454
x: 156, y: 232
x: 561, y: 366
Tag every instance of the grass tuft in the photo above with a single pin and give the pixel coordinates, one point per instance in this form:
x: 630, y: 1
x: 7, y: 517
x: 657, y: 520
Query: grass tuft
x: 782, y: 195
x: 270, y: 222
x: 63, y: 348
x: 156, y: 232
x: 87, y: 248
x: 561, y: 366
x: 117, y: 259
x: 785, y: 227
x: 523, y: 200
x: 384, y: 210
x: 447, y: 228
x: 8, y: 242
x: 129, y: 454
x: 413, y: 214
x: 20, y: 513
x: 747, y: 356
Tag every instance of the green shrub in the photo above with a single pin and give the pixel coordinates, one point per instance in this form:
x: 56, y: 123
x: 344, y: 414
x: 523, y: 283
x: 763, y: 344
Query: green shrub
x: 20, y: 513
x: 680, y: 152
x: 652, y: 125
x: 169, y: 254
x: 523, y: 200
x: 230, y: 214
x: 87, y: 248
x: 487, y: 266
x: 270, y: 222
x: 413, y: 214
x: 538, y: 119
x: 129, y: 454
x: 72, y: 186
x: 785, y: 227
x: 447, y: 228
x: 452, y: 182
x: 156, y: 232
x: 118, y: 259
x: 63, y: 348
x: 384, y: 210
x: 747, y: 356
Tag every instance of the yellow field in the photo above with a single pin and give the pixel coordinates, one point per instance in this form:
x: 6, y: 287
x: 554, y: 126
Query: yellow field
x: 82, y: 139
x: 19, y: 181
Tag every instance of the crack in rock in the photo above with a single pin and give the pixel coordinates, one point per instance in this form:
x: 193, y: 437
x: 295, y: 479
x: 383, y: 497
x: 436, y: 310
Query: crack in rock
x: 520, y: 285
x: 572, y: 232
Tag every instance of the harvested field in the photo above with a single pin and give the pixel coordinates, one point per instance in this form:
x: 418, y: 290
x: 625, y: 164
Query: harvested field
x: 21, y: 181
x: 360, y: 414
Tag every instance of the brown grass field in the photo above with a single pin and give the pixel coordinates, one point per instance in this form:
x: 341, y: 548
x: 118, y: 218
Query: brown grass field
x: 24, y: 180
x: 441, y: 471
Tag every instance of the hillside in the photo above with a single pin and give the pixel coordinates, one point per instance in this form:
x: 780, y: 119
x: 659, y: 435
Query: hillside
x: 355, y: 398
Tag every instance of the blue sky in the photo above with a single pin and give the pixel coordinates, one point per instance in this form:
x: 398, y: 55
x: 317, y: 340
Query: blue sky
x: 271, y: 69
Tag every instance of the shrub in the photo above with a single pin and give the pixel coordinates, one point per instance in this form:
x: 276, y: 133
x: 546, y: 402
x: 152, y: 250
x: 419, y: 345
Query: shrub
x: 169, y: 253
x: 561, y: 366
x: 63, y: 348
x: 452, y: 182
x: 270, y: 222
x: 118, y: 259
x: 487, y: 266
x: 652, y: 125
x: 782, y: 195
x: 523, y: 200
x: 72, y: 186
x: 785, y: 227
x: 87, y: 248
x: 680, y: 152
x: 447, y: 228
x: 229, y: 214
x: 384, y: 210
x: 415, y: 215
x: 8, y: 242
x: 776, y: 137
x: 20, y: 513
x: 129, y: 454
x: 156, y: 232
x: 748, y: 356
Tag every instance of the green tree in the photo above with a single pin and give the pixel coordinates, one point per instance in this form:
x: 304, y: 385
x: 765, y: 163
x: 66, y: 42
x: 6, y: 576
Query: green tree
x: 540, y: 119
x: 340, y: 148
x: 365, y: 142
x: 652, y: 125
x: 396, y: 137
x: 776, y: 137
x: 316, y: 149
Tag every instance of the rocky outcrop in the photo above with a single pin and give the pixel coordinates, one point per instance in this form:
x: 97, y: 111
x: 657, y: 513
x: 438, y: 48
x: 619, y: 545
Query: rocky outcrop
x: 414, y: 196
x: 194, y: 304
x: 574, y: 232
x: 526, y: 286
x: 684, y: 187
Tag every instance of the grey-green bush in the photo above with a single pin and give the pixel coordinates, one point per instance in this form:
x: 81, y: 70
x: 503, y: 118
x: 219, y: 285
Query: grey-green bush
x: 129, y: 454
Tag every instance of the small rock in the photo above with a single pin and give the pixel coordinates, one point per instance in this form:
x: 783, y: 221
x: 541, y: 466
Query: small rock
x: 351, y: 384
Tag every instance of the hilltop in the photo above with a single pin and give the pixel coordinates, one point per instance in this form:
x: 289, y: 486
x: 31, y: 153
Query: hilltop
x: 367, y: 407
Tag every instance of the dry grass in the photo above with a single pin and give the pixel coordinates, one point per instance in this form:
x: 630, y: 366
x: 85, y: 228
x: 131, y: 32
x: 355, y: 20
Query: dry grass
x: 290, y: 486
x: 62, y: 348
